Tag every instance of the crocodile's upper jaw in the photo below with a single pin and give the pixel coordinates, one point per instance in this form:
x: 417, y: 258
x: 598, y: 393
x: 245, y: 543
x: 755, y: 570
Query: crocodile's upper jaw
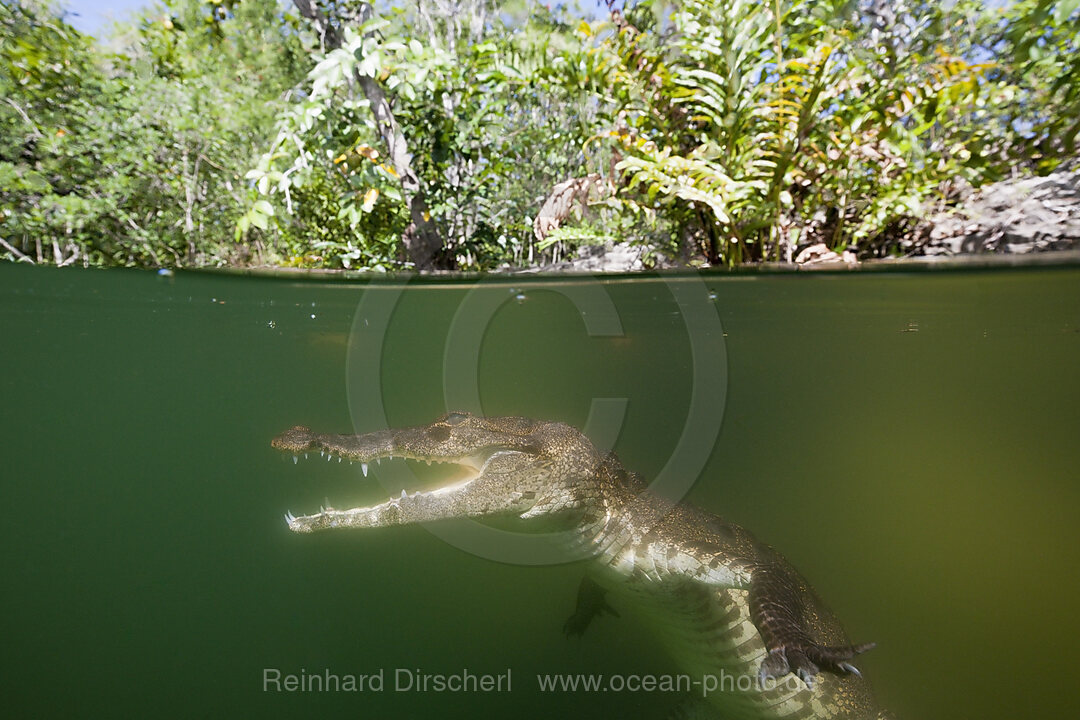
x: 506, y: 465
x: 371, y: 447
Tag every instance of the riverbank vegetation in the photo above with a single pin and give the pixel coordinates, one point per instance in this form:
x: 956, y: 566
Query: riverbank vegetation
x: 474, y: 134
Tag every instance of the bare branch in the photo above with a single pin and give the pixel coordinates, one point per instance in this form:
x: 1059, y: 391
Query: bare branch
x: 14, y: 251
x: 560, y: 202
x: 12, y: 103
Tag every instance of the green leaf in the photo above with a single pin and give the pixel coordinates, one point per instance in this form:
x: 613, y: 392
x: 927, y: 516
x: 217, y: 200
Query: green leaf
x: 1064, y: 10
x: 260, y: 221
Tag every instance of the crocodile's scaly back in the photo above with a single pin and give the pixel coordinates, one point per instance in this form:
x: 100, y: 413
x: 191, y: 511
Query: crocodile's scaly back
x: 731, y: 610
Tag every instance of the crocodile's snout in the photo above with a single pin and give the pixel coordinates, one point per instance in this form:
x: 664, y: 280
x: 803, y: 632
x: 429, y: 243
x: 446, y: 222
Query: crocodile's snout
x: 296, y: 439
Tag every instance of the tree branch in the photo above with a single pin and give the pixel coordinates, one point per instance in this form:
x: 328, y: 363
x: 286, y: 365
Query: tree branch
x: 14, y: 251
x: 422, y: 241
x: 37, y: 132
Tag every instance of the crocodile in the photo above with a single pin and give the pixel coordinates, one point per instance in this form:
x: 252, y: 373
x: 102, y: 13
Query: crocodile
x: 723, y: 603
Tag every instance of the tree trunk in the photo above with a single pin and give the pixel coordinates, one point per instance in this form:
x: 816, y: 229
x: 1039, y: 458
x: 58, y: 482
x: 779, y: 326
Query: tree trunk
x: 422, y: 240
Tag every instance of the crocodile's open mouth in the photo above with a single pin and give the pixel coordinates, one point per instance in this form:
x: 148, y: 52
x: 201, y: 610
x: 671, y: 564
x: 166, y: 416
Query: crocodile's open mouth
x: 445, y: 500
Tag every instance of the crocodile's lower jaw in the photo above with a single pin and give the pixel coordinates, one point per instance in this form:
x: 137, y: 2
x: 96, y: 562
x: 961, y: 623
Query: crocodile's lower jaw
x: 393, y: 510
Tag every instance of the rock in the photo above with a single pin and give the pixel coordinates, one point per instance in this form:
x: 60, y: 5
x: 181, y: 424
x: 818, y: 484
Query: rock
x: 609, y: 258
x: 820, y: 255
x: 1034, y: 214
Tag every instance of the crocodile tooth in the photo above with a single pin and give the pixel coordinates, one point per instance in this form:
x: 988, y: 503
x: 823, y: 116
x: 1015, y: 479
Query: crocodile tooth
x: 321, y: 453
x: 363, y: 466
x: 329, y: 458
x: 305, y: 456
x: 289, y: 518
x: 295, y: 459
x: 404, y: 494
x: 339, y: 459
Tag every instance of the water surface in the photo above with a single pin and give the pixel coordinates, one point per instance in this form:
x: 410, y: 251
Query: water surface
x: 907, y: 439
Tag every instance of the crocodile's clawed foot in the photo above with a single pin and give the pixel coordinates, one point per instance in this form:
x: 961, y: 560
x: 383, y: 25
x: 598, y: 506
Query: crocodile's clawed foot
x: 850, y: 669
x: 576, y: 624
x: 591, y: 602
x: 782, y: 661
x: 807, y: 662
x: 775, y: 665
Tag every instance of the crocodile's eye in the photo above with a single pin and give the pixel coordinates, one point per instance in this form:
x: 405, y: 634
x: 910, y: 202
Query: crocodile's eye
x: 456, y: 418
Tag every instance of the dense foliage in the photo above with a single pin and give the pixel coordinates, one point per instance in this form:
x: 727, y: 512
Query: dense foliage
x: 757, y: 126
x: 134, y: 153
x: 471, y: 134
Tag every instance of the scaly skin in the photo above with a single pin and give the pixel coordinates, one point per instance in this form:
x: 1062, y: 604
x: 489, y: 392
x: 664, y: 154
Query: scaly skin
x: 725, y: 604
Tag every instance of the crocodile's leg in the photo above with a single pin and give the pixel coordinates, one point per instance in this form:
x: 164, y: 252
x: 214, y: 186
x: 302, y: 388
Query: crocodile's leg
x: 591, y: 603
x: 777, y: 610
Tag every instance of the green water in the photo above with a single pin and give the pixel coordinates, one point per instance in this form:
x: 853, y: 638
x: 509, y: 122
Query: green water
x: 908, y: 439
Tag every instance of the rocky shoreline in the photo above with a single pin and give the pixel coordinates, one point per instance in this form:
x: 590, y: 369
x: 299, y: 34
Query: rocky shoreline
x: 1022, y: 216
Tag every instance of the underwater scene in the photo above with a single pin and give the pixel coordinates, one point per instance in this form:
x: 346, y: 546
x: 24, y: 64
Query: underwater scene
x: 907, y: 438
